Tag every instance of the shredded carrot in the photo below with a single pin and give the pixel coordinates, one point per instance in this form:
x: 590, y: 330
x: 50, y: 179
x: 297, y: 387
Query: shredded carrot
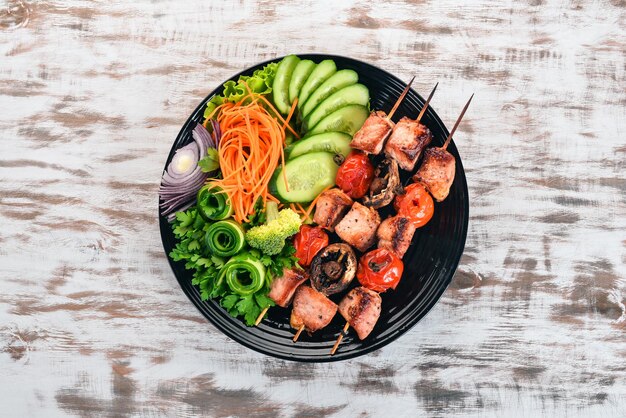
x: 250, y: 150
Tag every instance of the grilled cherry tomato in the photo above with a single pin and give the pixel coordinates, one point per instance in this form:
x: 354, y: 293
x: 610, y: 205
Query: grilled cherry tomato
x: 308, y: 242
x: 355, y: 175
x: 416, y: 204
x: 380, y: 270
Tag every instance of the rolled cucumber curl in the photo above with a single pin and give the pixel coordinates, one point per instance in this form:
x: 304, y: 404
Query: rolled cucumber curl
x: 213, y: 204
x: 244, y: 274
x: 225, y: 238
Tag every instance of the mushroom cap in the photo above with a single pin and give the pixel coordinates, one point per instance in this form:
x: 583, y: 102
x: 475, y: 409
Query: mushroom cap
x: 333, y: 269
x: 385, y: 185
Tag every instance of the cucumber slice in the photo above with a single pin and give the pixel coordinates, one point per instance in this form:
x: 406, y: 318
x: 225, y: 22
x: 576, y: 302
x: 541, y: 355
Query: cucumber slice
x: 354, y: 94
x: 335, y: 82
x: 321, y: 73
x: 307, y: 175
x: 280, y: 88
x: 348, y: 119
x: 333, y: 142
x: 299, y: 76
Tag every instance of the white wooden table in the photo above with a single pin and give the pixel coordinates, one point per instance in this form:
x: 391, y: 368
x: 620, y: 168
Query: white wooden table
x: 93, y: 322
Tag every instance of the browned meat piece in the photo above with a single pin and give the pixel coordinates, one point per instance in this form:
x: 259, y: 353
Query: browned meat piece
x: 358, y: 227
x: 373, y: 134
x: 361, y: 308
x: 395, y: 234
x: 408, y: 140
x: 437, y: 172
x: 330, y: 207
x: 285, y: 286
x: 311, y: 309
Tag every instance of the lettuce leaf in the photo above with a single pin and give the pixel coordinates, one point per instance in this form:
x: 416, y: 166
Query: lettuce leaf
x: 259, y: 82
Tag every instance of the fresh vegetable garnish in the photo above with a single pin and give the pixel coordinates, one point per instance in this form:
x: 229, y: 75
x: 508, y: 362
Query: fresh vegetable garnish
x: 244, y: 274
x: 225, y: 238
x: 379, y: 270
x: 183, y: 177
x: 271, y: 236
x: 355, y: 175
x: 280, y: 88
x: 415, y: 204
x: 191, y: 230
x: 250, y: 149
x: 260, y: 82
x: 211, y: 162
x: 213, y: 204
x: 305, y: 177
x: 308, y: 242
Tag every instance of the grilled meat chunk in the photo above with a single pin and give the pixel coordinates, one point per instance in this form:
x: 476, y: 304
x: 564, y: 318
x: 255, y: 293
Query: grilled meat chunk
x: 311, y: 309
x: 330, y: 207
x: 408, y: 140
x: 358, y: 227
x: 361, y: 308
x: 284, y: 287
x: 437, y: 172
x: 373, y: 134
x: 395, y: 234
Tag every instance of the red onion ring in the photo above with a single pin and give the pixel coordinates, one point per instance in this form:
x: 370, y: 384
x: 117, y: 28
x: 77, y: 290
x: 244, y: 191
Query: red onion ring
x: 179, y: 187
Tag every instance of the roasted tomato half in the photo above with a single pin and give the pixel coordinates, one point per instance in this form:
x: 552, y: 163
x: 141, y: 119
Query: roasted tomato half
x: 415, y: 204
x: 380, y: 270
x: 308, y: 242
x: 355, y: 175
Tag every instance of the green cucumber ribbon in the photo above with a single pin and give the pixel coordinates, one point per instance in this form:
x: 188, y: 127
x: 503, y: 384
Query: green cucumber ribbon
x: 213, y: 203
x: 244, y: 274
x: 225, y: 238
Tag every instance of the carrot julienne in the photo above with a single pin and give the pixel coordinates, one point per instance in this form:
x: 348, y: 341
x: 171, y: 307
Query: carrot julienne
x: 250, y: 150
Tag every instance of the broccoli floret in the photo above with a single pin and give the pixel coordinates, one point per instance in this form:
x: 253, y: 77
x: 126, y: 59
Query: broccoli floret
x: 270, y: 237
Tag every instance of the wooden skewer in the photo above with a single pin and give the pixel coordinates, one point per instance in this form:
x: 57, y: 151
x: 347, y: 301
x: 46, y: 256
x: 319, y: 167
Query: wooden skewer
x: 261, y: 315
x: 395, y: 106
x: 432, y: 93
x: 295, y: 337
x: 445, y: 144
x: 345, y: 329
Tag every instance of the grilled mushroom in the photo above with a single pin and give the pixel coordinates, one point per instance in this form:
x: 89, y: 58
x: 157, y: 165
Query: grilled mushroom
x: 333, y: 269
x: 385, y: 186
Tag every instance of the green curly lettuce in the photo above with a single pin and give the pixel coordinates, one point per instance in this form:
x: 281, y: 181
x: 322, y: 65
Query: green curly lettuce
x: 260, y: 82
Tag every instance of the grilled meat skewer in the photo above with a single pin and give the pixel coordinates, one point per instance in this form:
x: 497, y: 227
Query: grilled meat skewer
x: 358, y: 227
x: 409, y: 138
x: 437, y: 170
x: 331, y: 206
x: 285, y: 286
x: 395, y: 234
x: 377, y: 128
x: 361, y: 309
x: 311, y: 310
x: 283, y: 289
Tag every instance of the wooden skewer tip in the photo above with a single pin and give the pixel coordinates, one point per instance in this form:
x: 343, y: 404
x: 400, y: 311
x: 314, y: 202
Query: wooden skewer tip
x: 404, y: 92
x: 458, y: 121
x: 425, y: 107
x: 261, y: 315
x: 345, y: 329
x: 295, y: 337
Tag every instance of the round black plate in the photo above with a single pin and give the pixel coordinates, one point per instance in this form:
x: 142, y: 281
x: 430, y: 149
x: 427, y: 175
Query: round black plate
x: 429, y: 264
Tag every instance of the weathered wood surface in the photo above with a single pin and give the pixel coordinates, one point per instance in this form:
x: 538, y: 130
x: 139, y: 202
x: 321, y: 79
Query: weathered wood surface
x: 93, y: 322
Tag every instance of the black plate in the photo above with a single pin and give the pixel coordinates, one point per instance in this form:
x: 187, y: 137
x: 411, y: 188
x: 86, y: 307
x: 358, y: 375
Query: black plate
x: 429, y: 264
